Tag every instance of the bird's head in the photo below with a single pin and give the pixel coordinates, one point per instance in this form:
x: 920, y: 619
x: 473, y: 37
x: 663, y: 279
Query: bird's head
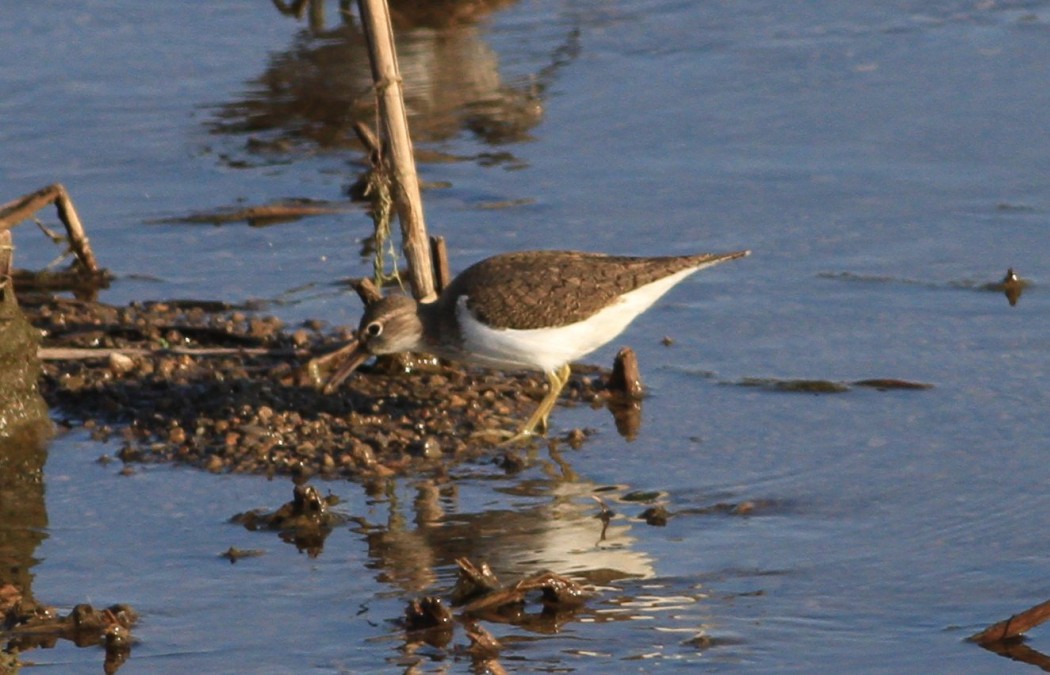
x: 389, y: 326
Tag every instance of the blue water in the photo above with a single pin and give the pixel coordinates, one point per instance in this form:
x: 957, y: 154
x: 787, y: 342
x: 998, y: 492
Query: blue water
x: 882, y: 160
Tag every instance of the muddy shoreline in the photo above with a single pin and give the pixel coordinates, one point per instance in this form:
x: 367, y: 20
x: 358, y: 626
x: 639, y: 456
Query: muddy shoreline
x: 224, y: 388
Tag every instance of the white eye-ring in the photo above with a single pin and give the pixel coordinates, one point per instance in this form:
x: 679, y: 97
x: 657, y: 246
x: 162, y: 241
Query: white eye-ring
x: 374, y: 329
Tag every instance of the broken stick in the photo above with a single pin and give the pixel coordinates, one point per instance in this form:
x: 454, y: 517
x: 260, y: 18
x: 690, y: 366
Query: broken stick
x: 1013, y: 627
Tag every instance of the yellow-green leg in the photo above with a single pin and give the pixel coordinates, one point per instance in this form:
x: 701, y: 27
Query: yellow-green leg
x: 557, y: 379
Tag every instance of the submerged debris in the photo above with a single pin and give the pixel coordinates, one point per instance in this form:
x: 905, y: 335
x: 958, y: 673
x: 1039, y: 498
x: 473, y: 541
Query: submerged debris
x: 656, y: 516
x: 479, y: 595
x: 487, y: 595
x: 887, y: 384
x: 36, y: 626
x: 258, y: 216
x: 829, y: 386
x: 305, y: 521
x: 473, y: 582
x: 797, y: 386
x: 427, y: 614
x: 484, y: 649
x: 233, y: 554
x: 1012, y: 286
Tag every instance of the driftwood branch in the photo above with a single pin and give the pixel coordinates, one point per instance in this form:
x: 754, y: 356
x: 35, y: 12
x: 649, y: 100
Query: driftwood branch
x: 626, y: 378
x: 1014, y: 627
x: 442, y: 271
x: 23, y: 208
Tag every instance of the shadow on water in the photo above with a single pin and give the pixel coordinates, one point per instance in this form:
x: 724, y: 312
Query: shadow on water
x: 22, y: 509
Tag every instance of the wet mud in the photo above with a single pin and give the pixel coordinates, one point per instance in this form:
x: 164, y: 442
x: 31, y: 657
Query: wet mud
x: 227, y: 390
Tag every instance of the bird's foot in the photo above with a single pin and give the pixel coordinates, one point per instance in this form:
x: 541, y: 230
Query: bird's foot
x: 535, y: 429
x: 523, y: 437
x: 504, y: 437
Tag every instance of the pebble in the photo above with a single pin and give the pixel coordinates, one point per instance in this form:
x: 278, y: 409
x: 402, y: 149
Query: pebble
x: 120, y: 363
x: 431, y: 448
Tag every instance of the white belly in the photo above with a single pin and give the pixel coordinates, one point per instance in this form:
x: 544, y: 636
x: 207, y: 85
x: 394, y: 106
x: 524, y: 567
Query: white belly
x: 549, y: 348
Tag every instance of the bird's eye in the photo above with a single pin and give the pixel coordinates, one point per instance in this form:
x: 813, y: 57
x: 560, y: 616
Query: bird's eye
x: 374, y: 329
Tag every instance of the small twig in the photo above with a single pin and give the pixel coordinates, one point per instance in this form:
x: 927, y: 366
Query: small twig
x: 80, y: 354
x: 368, y: 139
x: 367, y: 291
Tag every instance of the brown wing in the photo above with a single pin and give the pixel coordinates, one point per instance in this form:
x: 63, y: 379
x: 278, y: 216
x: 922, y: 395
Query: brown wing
x: 539, y: 289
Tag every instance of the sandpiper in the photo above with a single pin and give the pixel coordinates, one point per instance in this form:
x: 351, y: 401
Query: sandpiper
x: 536, y: 310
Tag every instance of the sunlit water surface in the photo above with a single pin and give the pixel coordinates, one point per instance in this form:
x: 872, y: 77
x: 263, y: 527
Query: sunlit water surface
x: 882, y: 160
